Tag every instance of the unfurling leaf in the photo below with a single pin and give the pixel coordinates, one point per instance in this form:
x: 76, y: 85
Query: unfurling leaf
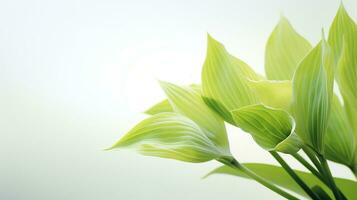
x: 272, y: 129
x: 279, y: 177
x: 284, y: 50
x: 188, y: 102
x: 312, y: 95
x: 224, y: 79
x: 170, y: 135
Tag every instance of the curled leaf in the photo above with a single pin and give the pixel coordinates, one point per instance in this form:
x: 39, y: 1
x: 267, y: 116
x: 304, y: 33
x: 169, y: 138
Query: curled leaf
x: 272, y: 129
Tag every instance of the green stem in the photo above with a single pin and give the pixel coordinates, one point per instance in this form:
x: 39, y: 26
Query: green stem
x: 326, y: 175
x: 308, y: 166
x: 312, y: 157
x: 293, y: 175
x: 329, y: 177
x: 314, y: 171
x: 236, y: 165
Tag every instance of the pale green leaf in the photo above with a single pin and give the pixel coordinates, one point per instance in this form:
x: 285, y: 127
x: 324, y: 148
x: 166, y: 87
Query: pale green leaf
x: 244, y: 69
x: 162, y: 106
x: 223, y: 78
x: 279, y: 177
x: 340, y: 145
x: 275, y: 94
x: 196, y: 88
x: 220, y: 109
x: 273, y: 129
x: 343, y: 39
x: 189, y: 102
x: 170, y: 135
x: 347, y: 77
x: 342, y: 26
x: 312, y: 95
x: 284, y: 50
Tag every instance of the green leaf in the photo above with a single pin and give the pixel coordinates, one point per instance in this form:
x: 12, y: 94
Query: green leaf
x: 244, y: 69
x: 279, y: 177
x: 196, y: 88
x: 340, y: 145
x: 284, y: 50
x: 276, y: 94
x: 343, y: 39
x: 342, y: 26
x: 272, y: 129
x: 170, y: 135
x: 347, y: 77
x: 312, y: 95
x: 162, y: 106
x: 219, y: 109
x: 223, y: 78
x: 188, y: 102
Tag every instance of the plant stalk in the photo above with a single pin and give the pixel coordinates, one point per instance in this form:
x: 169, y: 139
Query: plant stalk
x: 329, y: 177
x: 324, y: 170
x: 312, y: 157
x: 236, y: 165
x: 294, y: 176
x: 308, y: 166
x: 315, y: 172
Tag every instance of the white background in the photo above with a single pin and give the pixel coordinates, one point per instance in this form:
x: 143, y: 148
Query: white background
x: 75, y: 75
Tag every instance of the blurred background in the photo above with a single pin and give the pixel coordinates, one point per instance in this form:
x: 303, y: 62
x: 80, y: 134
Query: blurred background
x: 76, y: 75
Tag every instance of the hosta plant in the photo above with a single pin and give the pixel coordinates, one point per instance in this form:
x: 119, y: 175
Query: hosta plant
x: 305, y: 107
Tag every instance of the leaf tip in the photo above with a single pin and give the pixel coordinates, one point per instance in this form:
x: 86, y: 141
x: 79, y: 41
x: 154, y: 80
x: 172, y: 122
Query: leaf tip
x: 111, y: 147
x: 283, y: 21
x: 342, y: 12
x: 212, y: 43
x: 163, y: 84
x: 342, y: 8
x: 323, y: 35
